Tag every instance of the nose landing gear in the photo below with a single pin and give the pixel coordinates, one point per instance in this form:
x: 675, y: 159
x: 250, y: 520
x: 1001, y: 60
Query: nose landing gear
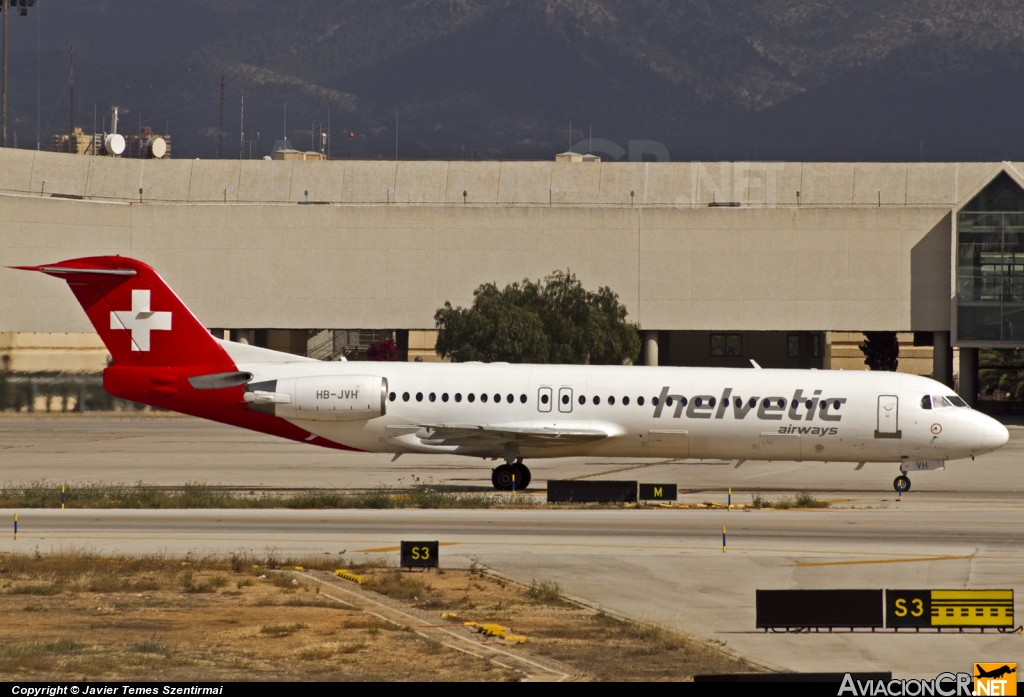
x: 901, y: 483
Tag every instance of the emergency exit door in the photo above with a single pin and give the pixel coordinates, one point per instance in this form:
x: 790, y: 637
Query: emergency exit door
x: 888, y: 417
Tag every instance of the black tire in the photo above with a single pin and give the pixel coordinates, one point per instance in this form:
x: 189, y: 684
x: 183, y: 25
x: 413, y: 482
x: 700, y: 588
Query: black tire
x: 522, y: 476
x: 901, y: 483
x: 501, y: 477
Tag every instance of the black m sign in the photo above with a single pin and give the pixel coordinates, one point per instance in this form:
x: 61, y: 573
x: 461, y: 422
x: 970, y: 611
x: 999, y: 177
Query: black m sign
x: 658, y: 492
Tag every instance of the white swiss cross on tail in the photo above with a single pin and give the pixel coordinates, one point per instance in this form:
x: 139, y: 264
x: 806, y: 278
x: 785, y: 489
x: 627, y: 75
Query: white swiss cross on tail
x: 140, y: 321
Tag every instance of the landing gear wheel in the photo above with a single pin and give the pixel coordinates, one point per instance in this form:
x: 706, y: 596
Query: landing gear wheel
x: 501, y: 477
x: 522, y: 476
x: 901, y: 483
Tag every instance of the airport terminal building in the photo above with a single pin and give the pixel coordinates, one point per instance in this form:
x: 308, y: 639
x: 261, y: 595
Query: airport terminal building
x: 719, y: 263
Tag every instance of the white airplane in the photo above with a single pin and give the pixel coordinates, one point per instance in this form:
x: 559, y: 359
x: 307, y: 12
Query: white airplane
x: 164, y: 357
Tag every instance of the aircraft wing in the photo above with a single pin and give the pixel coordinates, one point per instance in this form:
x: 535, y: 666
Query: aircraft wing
x: 530, y: 436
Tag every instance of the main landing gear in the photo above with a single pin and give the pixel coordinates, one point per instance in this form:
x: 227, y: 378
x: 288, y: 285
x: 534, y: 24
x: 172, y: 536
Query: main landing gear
x: 513, y: 475
x: 901, y: 483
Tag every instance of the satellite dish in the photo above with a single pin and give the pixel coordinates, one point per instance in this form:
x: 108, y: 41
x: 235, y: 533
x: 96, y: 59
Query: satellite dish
x: 157, y: 147
x: 267, y: 158
x: 114, y: 144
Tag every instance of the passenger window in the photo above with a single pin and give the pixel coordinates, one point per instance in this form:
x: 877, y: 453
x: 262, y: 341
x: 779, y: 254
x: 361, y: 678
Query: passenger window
x: 483, y: 397
x: 625, y: 400
x: 522, y: 399
x: 711, y: 402
x: 611, y: 400
x: 654, y: 401
x: 444, y: 397
x: 640, y: 400
x: 497, y: 399
x: 597, y: 400
x: 565, y: 399
x: 392, y: 396
x: 543, y: 399
x: 739, y: 403
x: 583, y: 400
x: 810, y: 405
x: 405, y: 396
x: 836, y: 405
x: 767, y: 403
x: 668, y: 401
x: 433, y: 397
x: 753, y: 402
x: 511, y: 399
x: 782, y: 404
x: 698, y: 402
x: 458, y: 396
x: 419, y: 396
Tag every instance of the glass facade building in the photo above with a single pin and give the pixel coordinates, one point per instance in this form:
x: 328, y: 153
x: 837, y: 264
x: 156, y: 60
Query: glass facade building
x: 990, y: 264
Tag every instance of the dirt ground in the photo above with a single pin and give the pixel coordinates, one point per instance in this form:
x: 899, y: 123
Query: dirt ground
x: 76, y: 616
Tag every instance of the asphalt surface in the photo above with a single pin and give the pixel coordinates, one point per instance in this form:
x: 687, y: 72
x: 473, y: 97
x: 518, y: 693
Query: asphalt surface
x: 959, y: 528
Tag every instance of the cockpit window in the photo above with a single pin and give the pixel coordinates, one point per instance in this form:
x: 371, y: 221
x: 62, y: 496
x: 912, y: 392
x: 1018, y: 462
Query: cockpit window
x: 940, y: 402
x: 926, y: 402
x: 957, y: 401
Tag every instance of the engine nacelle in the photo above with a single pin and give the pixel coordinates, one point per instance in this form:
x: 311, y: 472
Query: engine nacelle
x: 333, y: 397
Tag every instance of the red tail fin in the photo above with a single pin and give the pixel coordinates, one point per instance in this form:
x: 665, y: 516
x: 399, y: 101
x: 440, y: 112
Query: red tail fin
x: 140, y: 319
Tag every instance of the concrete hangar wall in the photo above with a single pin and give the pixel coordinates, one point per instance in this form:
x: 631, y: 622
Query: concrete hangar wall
x: 763, y: 251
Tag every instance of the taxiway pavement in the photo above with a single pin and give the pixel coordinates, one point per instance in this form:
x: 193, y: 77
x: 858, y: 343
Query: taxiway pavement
x: 961, y: 528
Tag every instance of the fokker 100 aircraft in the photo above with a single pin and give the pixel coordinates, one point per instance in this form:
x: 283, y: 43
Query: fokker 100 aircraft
x: 164, y: 357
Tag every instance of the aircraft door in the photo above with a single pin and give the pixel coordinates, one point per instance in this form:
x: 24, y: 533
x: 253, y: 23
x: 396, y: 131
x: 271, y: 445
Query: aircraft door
x: 888, y: 417
x: 565, y: 399
x: 544, y: 399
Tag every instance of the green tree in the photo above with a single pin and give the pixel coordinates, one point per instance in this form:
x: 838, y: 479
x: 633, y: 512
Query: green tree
x: 554, y: 321
x: 881, y: 350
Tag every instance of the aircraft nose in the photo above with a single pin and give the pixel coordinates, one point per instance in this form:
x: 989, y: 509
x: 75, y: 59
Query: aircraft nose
x: 994, y: 435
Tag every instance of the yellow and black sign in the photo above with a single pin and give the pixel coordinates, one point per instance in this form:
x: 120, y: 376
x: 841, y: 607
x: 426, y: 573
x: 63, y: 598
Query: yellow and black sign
x: 420, y: 555
x: 948, y: 608
x: 995, y: 679
x: 659, y: 492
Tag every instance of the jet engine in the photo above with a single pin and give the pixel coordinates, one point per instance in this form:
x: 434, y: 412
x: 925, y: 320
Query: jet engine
x: 322, y: 397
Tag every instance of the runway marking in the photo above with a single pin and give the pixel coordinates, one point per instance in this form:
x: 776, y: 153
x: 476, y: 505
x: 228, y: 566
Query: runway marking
x: 575, y: 545
x: 615, y: 471
x: 879, y: 561
x: 398, y: 549
x: 97, y: 439
x: 768, y: 474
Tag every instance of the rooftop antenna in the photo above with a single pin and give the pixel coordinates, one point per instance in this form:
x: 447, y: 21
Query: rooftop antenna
x: 241, y: 127
x: 570, y: 136
x: 220, y: 140
x: 328, y: 132
x: 590, y: 148
x: 39, y: 141
x: 286, y: 120
x: 71, y: 80
x: 396, y: 134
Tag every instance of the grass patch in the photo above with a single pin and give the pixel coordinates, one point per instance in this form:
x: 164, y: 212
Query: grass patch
x: 152, y: 647
x: 399, y: 585
x: 547, y: 592
x: 199, y: 495
x: 280, y: 630
x: 60, y: 647
x: 804, y: 499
